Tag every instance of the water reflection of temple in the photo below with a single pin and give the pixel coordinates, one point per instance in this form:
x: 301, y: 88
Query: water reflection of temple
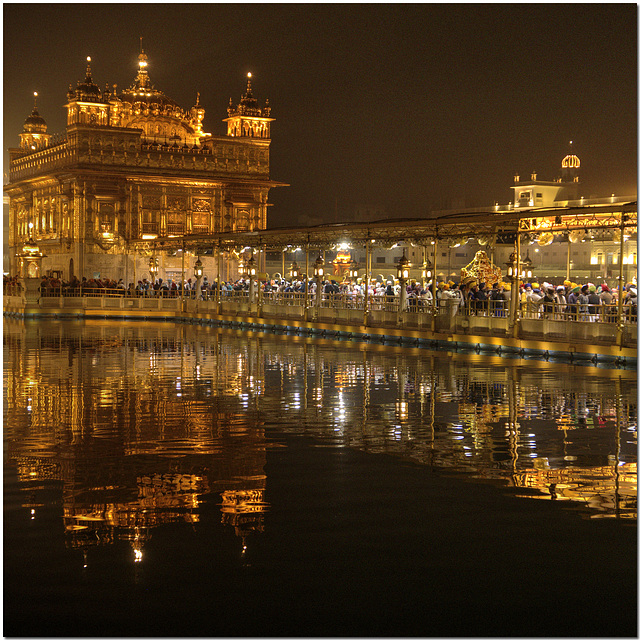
x: 130, y: 452
x: 138, y: 421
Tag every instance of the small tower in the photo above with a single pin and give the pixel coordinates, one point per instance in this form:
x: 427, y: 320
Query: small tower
x: 570, y: 166
x: 34, y: 131
x: 86, y: 104
x: 197, y: 116
x: 247, y: 119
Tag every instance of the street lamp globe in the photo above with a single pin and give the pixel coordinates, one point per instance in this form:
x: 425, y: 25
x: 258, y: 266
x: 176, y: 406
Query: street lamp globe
x: 403, y: 268
x: 197, y: 268
x: 251, y: 267
x: 318, y: 267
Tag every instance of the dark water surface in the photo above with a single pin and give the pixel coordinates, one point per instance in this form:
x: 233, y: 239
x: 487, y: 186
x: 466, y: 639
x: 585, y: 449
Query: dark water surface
x: 165, y: 480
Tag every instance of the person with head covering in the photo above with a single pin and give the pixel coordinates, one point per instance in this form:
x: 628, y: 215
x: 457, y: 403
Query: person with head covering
x: 497, y: 300
x: 594, y: 304
x: 605, y: 293
x: 572, y: 303
x: 532, y: 299
x: 631, y: 304
x: 481, y: 299
x: 583, y: 301
x: 549, y: 300
x: 561, y: 301
x: 472, y: 299
x: 456, y: 297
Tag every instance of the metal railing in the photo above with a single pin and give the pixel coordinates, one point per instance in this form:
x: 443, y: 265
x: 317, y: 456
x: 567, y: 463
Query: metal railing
x: 13, y: 289
x: 289, y: 298
x: 564, y: 312
x: 603, y: 313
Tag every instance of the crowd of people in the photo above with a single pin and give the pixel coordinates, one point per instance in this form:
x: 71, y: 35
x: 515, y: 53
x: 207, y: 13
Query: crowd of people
x: 570, y: 300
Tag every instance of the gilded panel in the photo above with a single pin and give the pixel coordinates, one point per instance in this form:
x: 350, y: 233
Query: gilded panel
x: 201, y: 205
x: 151, y: 202
x: 176, y: 203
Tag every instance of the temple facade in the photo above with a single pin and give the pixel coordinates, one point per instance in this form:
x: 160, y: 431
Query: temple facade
x: 133, y: 169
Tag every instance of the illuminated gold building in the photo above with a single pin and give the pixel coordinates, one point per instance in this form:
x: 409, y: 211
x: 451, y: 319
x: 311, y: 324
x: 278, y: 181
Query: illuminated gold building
x: 133, y: 166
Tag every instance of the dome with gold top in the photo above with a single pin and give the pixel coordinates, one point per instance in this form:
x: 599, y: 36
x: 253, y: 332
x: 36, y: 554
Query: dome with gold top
x: 142, y: 106
x: 571, y: 162
x: 35, y: 123
x: 248, y: 105
x: 142, y: 90
x: 86, y: 91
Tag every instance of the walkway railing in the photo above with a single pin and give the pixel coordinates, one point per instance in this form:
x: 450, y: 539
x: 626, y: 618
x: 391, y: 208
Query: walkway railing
x: 602, y: 313
x: 576, y: 324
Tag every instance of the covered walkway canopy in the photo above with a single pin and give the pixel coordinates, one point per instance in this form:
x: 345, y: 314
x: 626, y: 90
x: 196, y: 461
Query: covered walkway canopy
x: 487, y: 225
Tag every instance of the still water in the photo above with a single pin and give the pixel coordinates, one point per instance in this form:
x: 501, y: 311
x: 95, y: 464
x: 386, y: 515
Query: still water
x: 164, y: 480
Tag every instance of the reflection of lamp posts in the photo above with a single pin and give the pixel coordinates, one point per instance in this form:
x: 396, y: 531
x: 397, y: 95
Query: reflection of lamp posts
x: 403, y: 275
x: 318, y: 273
x: 241, y: 268
x: 197, y: 272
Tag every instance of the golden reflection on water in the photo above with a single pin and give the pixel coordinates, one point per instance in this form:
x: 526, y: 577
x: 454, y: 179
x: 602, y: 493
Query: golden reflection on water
x: 136, y: 422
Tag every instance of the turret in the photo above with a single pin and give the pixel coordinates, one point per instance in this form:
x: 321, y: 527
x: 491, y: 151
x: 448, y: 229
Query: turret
x: 247, y: 119
x: 86, y: 103
x: 34, y: 131
x: 197, y: 116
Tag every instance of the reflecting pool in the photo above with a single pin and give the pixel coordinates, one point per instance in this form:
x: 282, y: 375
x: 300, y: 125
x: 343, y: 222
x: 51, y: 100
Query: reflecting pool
x: 178, y: 480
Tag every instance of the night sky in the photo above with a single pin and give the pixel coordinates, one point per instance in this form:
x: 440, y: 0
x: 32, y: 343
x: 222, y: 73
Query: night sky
x: 404, y: 107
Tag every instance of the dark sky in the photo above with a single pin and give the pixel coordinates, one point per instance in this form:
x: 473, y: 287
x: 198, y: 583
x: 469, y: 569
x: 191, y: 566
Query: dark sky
x: 410, y: 107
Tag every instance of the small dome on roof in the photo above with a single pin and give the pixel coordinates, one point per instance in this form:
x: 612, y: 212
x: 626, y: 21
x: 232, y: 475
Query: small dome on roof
x: 35, y: 123
x: 86, y: 91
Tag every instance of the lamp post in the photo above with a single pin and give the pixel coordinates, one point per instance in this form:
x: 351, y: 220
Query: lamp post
x: 513, y: 275
x: 426, y: 272
x: 403, y: 271
x: 251, y: 272
x: 353, y: 270
x: 197, y: 272
x: 295, y: 270
x: 153, y: 268
x: 527, y: 267
x: 30, y: 264
x: 318, y: 273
